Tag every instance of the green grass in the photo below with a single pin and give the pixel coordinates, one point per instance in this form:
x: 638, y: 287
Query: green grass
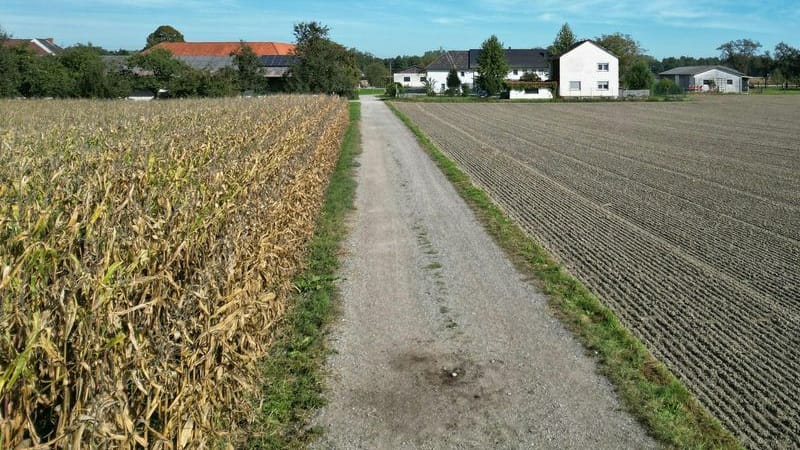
x: 371, y: 91
x: 649, y: 390
x: 293, y: 374
x: 773, y: 90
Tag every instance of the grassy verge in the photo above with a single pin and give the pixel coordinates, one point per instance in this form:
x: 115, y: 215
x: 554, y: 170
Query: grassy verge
x: 773, y: 90
x: 293, y: 370
x: 648, y: 389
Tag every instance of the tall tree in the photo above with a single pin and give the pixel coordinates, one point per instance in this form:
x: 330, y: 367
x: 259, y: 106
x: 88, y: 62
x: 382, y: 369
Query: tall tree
x: 323, y: 66
x: 624, y: 47
x: 740, y: 54
x: 639, y: 76
x: 164, y: 33
x: 377, y: 74
x: 564, y: 40
x: 492, y: 66
x: 453, y: 82
x: 787, y: 62
x: 249, y: 66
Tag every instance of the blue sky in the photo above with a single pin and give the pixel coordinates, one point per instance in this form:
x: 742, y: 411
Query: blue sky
x: 387, y: 28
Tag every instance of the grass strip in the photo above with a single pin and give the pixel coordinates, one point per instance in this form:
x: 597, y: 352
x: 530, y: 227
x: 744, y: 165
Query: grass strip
x: 371, y: 91
x: 649, y: 390
x: 293, y: 374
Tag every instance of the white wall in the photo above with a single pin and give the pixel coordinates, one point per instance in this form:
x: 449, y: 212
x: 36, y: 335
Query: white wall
x: 721, y: 79
x: 580, y: 64
x: 544, y: 74
x: 416, y: 79
x: 544, y: 93
x: 439, y: 78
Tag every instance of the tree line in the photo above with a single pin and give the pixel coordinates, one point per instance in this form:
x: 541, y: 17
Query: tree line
x: 322, y: 66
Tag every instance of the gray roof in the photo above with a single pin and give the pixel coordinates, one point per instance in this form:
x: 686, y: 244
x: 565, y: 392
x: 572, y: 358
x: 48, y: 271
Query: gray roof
x: 210, y: 63
x: 412, y: 69
x: 527, y: 58
x: 694, y: 70
x: 451, y: 59
x: 49, y: 45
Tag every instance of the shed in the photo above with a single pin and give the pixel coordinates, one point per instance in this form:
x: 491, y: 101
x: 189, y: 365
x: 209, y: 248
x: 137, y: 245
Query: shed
x: 707, y: 78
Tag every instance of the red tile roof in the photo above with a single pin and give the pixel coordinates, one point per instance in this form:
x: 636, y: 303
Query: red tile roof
x: 224, y: 48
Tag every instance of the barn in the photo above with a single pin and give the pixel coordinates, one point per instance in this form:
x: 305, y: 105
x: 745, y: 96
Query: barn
x: 707, y: 79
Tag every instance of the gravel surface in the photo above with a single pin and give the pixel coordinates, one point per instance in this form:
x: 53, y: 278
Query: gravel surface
x: 441, y: 342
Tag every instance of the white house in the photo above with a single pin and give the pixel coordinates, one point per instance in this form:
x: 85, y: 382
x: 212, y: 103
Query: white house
x: 412, y: 77
x: 465, y: 62
x: 587, y: 70
x: 707, y: 78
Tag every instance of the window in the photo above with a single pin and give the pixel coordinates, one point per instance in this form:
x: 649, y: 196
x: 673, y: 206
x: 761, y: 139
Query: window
x: 574, y: 85
x: 423, y: 79
x: 532, y: 90
x: 602, y: 85
x: 516, y: 72
x: 406, y: 79
x: 462, y: 74
x: 602, y: 67
x: 730, y: 82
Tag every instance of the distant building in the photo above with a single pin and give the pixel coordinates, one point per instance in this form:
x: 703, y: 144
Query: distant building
x: 587, y: 70
x: 707, y: 79
x: 275, y: 57
x: 465, y: 62
x: 39, y: 46
x: 412, y: 77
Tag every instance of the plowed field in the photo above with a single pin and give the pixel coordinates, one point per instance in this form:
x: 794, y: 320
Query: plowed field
x: 683, y: 217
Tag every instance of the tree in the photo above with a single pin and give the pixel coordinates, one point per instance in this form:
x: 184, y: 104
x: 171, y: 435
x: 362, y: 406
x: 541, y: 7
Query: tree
x: 249, y: 66
x: 624, y: 47
x: 564, y: 40
x: 323, y: 66
x: 376, y: 73
x: 164, y: 68
x: 739, y: 54
x: 164, y: 33
x: 639, y: 76
x: 787, y: 62
x: 10, y: 76
x: 492, y: 66
x: 453, y: 82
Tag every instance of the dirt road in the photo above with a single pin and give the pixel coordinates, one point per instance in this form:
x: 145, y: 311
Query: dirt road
x: 441, y: 342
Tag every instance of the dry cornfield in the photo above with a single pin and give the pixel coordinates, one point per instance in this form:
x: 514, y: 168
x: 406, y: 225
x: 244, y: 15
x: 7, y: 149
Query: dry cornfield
x: 146, y: 251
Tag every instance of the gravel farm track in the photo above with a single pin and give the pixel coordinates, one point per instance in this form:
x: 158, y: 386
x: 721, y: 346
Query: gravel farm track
x: 684, y: 217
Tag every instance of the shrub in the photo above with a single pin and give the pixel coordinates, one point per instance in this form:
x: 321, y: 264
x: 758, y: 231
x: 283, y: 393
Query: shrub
x: 394, y: 90
x: 666, y: 86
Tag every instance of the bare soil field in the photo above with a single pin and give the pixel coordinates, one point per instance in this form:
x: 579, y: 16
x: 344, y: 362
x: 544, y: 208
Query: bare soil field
x: 683, y: 217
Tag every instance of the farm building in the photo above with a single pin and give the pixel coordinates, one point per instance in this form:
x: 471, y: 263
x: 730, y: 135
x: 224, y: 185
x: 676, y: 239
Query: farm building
x: 39, y: 46
x: 275, y: 57
x: 465, y: 62
x: 412, y: 77
x: 707, y: 78
x: 587, y: 70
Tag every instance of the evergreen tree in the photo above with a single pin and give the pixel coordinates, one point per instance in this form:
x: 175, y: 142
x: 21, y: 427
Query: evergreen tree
x: 564, y: 40
x: 492, y: 66
x: 453, y: 82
